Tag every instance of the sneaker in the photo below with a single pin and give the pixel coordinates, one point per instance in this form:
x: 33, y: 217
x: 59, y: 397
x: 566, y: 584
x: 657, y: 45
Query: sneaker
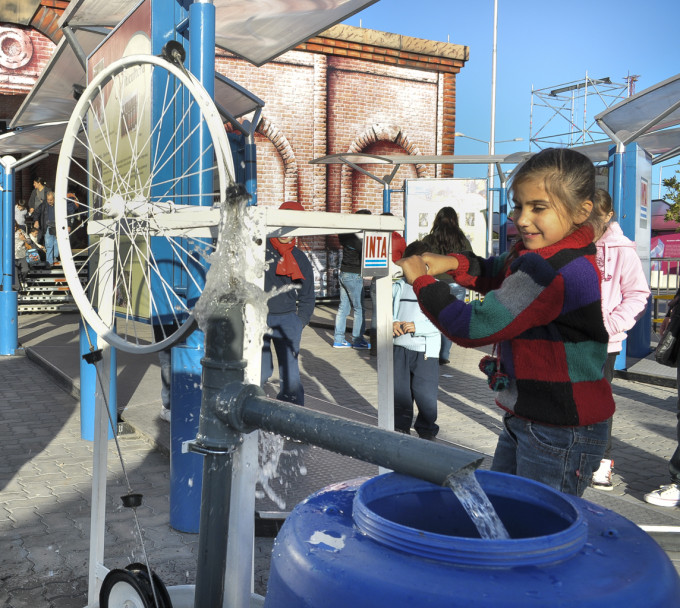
x: 165, y: 414
x: 665, y: 496
x: 343, y: 344
x: 361, y: 344
x: 602, y: 478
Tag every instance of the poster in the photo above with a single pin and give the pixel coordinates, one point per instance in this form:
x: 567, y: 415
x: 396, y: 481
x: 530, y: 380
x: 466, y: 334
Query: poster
x: 423, y: 198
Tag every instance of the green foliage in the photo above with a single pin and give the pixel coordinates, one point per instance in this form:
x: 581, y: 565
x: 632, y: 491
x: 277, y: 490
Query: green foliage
x: 672, y: 195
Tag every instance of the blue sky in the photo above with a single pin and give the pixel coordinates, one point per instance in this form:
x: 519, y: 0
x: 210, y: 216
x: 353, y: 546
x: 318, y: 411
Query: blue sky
x: 541, y: 44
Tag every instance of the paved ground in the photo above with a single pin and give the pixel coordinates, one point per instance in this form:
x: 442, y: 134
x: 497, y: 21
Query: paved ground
x: 45, y: 469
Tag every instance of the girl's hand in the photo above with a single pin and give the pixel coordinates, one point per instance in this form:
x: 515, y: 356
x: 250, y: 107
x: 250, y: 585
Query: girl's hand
x: 413, y: 268
x: 439, y: 264
x: 396, y: 329
x: 408, y: 327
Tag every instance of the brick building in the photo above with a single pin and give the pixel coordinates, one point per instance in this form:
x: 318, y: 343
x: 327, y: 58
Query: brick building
x: 346, y: 90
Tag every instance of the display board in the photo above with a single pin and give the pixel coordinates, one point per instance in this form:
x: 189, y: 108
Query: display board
x: 423, y: 198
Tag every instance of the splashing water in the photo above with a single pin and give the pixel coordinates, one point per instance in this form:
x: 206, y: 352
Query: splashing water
x: 236, y: 269
x: 477, y: 505
x: 234, y: 278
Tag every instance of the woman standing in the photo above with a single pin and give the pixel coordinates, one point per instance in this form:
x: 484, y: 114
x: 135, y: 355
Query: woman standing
x: 444, y: 238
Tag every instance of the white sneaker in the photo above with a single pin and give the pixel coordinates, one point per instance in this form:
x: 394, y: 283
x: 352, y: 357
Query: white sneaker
x: 165, y: 414
x: 665, y: 496
x: 602, y: 478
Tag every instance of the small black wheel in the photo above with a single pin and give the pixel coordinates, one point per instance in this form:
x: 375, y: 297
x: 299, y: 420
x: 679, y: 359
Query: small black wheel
x: 131, y: 588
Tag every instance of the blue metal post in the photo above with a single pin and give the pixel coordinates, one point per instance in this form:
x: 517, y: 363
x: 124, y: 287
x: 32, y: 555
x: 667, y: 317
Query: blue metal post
x: 386, y: 199
x: 185, y: 468
x: 616, y: 191
x: 251, y: 169
x: 503, y: 219
x: 88, y: 385
x: 636, y: 170
x: 9, y: 333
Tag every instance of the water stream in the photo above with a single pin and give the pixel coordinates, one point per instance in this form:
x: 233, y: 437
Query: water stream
x: 234, y: 278
x: 477, y: 505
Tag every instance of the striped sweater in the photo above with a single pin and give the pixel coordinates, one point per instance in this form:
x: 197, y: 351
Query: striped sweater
x: 544, y: 313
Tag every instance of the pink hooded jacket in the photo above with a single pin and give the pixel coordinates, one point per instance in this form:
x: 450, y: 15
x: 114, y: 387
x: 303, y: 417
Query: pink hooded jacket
x: 625, y: 289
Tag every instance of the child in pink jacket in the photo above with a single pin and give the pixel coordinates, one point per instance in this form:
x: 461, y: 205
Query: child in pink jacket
x: 625, y: 292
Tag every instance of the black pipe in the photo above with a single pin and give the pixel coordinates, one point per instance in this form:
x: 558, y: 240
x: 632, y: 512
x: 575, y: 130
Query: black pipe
x: 222, y: 364
x: 428, y: 460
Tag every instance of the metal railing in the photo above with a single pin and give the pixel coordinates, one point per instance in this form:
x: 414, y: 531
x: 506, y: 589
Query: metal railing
x: 664, y: 283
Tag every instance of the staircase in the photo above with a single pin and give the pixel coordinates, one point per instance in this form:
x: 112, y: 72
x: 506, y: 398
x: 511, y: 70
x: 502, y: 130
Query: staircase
x: 46, y: 290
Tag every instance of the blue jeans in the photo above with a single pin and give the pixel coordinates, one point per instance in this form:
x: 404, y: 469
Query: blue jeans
x: 445, y: 349
x: 285, y: 332
x: 51, y: 248
x: 562, y: 457
x: 351, y: 295
x: 674, y: 463
x: 416, y: 378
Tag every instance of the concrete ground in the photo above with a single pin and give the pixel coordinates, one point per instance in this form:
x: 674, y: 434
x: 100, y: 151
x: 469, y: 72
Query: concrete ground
x: 46, y: 468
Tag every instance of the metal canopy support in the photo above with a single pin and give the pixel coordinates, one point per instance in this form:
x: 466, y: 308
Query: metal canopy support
x: 354, y: 159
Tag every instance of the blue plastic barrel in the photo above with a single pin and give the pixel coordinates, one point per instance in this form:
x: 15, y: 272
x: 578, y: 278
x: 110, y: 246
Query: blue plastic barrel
x: 400, y: 542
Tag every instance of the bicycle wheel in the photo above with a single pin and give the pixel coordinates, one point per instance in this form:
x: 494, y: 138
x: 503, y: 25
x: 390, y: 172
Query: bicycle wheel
x: 147, y: 146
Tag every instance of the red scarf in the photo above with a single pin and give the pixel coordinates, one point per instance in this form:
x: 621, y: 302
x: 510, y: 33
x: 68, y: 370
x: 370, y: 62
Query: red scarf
x: 287, y: 265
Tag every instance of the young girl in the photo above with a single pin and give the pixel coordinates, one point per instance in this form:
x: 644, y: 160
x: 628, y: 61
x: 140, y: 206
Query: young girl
x: 542, y: 312
x: 625, y: 292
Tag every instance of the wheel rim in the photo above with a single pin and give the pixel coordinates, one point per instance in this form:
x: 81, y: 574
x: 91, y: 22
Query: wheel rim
x: 144, y: 258
x: 123, y: 589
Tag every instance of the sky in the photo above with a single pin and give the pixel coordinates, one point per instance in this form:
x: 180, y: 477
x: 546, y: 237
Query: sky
x: 540, y: 44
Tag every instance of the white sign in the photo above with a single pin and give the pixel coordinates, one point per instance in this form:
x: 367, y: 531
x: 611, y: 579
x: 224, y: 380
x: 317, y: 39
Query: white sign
x: 423, y: 198
x: 377, y: 252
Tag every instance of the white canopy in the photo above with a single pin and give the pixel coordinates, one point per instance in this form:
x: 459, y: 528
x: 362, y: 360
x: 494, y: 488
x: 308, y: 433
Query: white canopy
x: 257, y: 30
x: 646, y: 118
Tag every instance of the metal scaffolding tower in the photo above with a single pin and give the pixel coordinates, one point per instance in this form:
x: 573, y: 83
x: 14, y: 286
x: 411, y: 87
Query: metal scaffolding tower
x: 563, y: 115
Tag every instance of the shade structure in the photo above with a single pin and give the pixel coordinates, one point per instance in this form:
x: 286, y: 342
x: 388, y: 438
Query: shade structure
x: 52, y: 98
x: 257, y: 30
x: 653, y: 109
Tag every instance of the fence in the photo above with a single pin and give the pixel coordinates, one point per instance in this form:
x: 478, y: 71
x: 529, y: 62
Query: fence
x: 664, y: 282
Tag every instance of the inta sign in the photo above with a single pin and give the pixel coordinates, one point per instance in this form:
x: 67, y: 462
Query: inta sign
x: 377, y: 252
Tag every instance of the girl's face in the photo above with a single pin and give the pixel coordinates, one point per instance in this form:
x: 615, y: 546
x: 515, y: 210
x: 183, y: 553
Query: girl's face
x: 540, y: 221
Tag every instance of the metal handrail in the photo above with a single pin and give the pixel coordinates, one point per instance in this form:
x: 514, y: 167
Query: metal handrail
x: 664, y: 283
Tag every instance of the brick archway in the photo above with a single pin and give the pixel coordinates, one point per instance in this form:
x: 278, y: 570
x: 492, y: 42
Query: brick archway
x: 375, y: 133
x: 268, y: 129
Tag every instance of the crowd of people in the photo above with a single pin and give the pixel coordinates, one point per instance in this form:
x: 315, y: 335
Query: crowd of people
x: 35, y: 235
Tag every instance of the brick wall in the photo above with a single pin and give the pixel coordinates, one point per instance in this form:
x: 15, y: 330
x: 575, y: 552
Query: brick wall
x: 346, y: 90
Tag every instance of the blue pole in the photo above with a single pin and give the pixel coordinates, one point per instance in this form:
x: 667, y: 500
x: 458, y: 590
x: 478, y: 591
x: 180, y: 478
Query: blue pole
x: 386, y: 200
x: 616, y: 190
x: 186, y: 469
x: 503, y: 219
x: 9, y: 334
x: 636, y: 165
x: 251, y: 169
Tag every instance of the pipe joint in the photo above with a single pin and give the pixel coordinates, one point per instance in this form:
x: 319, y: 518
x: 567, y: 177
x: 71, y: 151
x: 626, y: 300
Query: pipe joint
x: 232, y: 402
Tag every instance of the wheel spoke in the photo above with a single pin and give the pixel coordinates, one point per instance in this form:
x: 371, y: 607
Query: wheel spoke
x: 138, y: 170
